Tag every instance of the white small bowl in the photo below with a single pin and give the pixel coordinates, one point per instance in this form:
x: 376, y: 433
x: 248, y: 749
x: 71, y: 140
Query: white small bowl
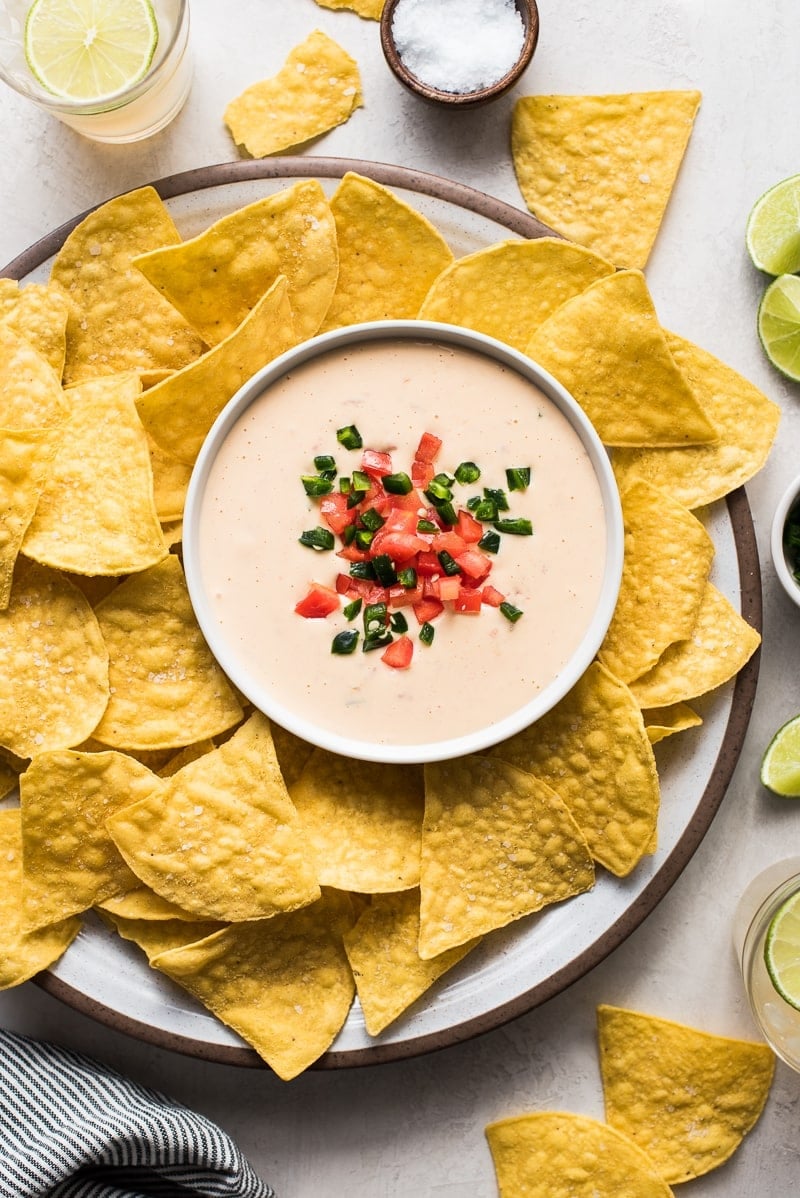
x: 782, y: 566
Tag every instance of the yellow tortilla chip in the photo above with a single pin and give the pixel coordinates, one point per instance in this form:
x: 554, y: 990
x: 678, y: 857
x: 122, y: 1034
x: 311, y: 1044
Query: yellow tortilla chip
x: 608, y: 349
x: 221, y: 838
x: 31, y: 395
x: 154, y: 936
x: 218, y: 277
x: 509, y: 289
x: 720, y: 644
x: 70, y: 861
x: 668, y: 557
x: 497, y: 844
x: 283, y: 984
x: 93, y: 517
x: 389, y: 254
x: 555, y: 1154
x: 142, y: 904
x: 117, y: 321
x: 592, y: 749
x: 293, y: 753
x: 170, y: 482
x: 25, y: 458
x: 744, y: 418
x: 685, y: 1097
x: 363, y: 821
x: 167, y: 690
x: 369, y: 9
x: 318, y: 87
x: 661, y: 722
x: 383, y: 954
x: 179, y: 412
x: 53, y: 664
x: 23, y: 954
x: 600, y: 169
x: 39, y: 313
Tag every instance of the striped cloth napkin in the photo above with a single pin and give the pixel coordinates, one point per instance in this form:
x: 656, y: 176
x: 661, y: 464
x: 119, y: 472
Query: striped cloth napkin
x: 72, y: 1128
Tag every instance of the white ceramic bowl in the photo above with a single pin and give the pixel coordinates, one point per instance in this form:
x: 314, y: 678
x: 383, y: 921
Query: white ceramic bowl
x: 782, y: 568
x: 261, y: 691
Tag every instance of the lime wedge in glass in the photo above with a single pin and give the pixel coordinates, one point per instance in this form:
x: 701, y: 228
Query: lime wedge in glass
x: 773, y: 229
x: 782, y: 950
x: 88, y: 49
x: 780, y: 765
x: 779, y: 324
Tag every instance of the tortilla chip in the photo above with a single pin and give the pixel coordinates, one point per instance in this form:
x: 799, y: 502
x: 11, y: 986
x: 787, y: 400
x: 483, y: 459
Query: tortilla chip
x: 720, y: 644
x: 283, y: 984
x: 9, y: 779
x: 600, y: 169
x: 363, y: 820
x: 23, y: 954
x: 93, y: 517
x: 70, y: 861
x: 218, y: 277
x: 167, y: 690
x: 185, y: 756
x: 318, y: 88
x: 179, y: 412
x: 53, y: 664
x: 142, y: 904
x: 509, y: 289
x: 389, y: 254
x: 370, y: 10
x: 608, y: 349
x: 661, y: 722
x: 383, y: 954
x: 687, y: 1098
x: 497, y: 844
x: 293, y: 753
x: 668, y: 557
x: 170, y: 482
x: 31, y: 395
x: 592, y: 749
x: 25, y: 458
x: 117, y: 321
x: 555, y: 1154
x: 744, y: 418
x: 154, y: 936
x: 221, y: 838
x: 39, y: 313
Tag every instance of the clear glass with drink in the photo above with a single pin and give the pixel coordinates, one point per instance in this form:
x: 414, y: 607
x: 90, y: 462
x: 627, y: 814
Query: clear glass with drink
x: 133, y: 110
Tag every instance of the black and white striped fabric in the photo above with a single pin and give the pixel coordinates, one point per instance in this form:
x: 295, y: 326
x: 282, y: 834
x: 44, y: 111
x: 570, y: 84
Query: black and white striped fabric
x: 72, y: 1128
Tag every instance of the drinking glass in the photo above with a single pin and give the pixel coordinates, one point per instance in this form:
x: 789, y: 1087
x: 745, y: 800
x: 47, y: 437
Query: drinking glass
x: 127, y: 115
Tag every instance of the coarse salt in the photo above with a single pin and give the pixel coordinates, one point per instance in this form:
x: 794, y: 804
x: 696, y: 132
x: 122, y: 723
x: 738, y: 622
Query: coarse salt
x: 458, y: 45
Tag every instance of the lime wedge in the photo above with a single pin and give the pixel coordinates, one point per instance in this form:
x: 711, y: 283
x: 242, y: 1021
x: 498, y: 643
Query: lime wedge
x: 89, y: 49
x: 773, y: 229
x: 780, y: 765
x: 782, y: 951
x: 779, y: 324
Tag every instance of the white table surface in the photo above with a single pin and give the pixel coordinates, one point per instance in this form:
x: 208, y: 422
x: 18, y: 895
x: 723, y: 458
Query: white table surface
x: 416, y: 1127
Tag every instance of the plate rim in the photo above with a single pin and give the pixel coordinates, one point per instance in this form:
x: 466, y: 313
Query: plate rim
x: 744, y: 690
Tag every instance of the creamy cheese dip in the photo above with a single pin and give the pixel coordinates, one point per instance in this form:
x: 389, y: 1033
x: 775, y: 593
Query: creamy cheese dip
x: 480, y: 668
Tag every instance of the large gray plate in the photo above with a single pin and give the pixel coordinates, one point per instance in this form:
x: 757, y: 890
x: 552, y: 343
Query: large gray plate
x: 532, y: 961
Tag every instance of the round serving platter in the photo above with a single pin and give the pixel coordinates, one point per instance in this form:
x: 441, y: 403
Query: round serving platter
x: 521, y: 966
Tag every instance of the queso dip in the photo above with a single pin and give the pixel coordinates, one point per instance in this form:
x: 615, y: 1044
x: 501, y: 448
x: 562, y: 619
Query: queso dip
x: 480, y: 669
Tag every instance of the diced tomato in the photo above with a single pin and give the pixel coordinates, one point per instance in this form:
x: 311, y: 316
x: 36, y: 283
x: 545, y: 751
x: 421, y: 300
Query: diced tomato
x: 428, y: 610
x: 318, y: 603
x: 398, y: 655
x: 400, y: 546
x: 366, y: 589
x: 449, y: 588
x: 376, y: 464
x: 467, y: 602
x: 428, y: 565
x: 412, y: 502
x: 351, y: 553
x: 428, y: 448
x: 451, y: 543
x: 376, y: 497
x: 492, y: 597
x: 343, y: 582
x: 422, y: 473
x: 405, y: 596
x: 335, y: 512
x: 468, y: 528
x: 401, y: 520
x: 474, y: 563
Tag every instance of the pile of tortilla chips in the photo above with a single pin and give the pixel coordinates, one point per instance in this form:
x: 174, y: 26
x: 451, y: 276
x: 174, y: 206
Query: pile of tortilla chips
x: 270, y: 879
x: 678, y: 1103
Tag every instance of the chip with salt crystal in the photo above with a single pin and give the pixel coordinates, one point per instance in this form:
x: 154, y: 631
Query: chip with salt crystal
x: 608, y: 349
x: 600, y: 169
x: 38, y: 312
x: 218, y: 277
x: 593, y: 750
x: 508, y: 289
x: 317, y: 88
x: 25, y: 458
x: 30, y: 390
x: 284, y: 984
x: 686, y: 1097
x: 661, y: 722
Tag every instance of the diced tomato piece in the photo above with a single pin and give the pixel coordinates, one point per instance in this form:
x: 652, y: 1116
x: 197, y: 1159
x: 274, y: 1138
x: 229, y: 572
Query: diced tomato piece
x: 468, y: 603
x: 450, y: 542
x: 318, y: 603
x: 474, y: 563
x: 400, y: 546
x: 398, y: 655
x: 401, y: 520
x: 468, y: 528
x: 422, y: 473
x: 492, y: 597
x: 412, y: 502
x: 405, y: 596
x: 375, y: 463
x: 335, y: 512
x: 376, y: 497
x: 428, y: 448
x: 449, y: 589
x: 343, y: 582
x: 351, y: 553
x: 366, y: 589
x: 428, y: 610
x: 428, y: 565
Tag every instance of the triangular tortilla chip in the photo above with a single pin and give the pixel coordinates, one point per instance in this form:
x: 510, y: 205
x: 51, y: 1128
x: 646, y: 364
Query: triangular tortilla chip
x: 600, y: 169
x: 30, y: 390
x: 25, y: 458
x: 39, y: 313
x: 661, y: 722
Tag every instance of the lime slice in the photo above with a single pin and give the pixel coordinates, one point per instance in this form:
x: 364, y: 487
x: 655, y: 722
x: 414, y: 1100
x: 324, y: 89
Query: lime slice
x: 89, y: 49
x: 773, y: 229
x: 782, y: 950
x: 779, y: 324
x: 780, y: 765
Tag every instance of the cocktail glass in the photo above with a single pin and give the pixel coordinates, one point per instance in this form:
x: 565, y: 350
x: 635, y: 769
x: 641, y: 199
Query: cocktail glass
x: 127, y: 115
